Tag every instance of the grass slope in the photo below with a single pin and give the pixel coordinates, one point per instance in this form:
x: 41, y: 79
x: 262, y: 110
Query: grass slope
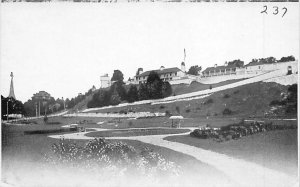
x: 252, y: 99
x: 274, y: 149
x: 179, y: 89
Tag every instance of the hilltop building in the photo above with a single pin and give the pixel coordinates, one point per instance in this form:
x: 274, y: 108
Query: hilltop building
x: 259, y: 67
x: 223, y: 70
x: 105, y: 81
x: 165, y: 74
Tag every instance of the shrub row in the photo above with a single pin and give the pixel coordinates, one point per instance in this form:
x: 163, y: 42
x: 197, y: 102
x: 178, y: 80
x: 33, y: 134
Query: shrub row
x: 236, y: 131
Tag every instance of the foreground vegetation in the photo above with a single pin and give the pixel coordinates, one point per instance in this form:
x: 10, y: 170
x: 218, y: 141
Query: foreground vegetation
x: 111, y: 158
x: 23, y: 160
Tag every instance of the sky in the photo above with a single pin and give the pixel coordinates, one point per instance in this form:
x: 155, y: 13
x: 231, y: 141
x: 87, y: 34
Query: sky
x: 64, y: 48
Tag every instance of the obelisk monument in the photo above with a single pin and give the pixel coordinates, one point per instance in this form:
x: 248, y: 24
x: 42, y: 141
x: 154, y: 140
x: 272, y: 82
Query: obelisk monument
x: 11, y: 91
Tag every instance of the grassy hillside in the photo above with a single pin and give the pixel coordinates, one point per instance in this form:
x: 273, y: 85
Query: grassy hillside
x: 248, y: 100
x: 179, y: 89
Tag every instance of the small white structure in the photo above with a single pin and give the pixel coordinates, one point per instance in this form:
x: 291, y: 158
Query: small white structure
x: 257, y: 68
x: 105, y: 81
x: 176, y: 120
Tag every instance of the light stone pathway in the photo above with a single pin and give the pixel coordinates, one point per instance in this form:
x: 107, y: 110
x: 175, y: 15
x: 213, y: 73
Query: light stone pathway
x: 242, y: 172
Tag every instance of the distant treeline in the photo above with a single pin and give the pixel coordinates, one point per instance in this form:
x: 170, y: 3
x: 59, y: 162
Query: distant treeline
x: 271, y: 60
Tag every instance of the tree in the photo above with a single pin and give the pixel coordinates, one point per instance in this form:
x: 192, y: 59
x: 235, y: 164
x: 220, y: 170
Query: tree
x: 166, y: 89
x: 14, y: 106
x: 143, y: 92
x: 287, y: 59
x: 153, y: 76
x: 138, y: 71
x: 132, y: 94
x: 154, y: 85
x: 194, y: 70
x: 270, y: 60
x: 237, y: 63
x: 117, y: 76
x: 118, y: 86
x: 115, y: 99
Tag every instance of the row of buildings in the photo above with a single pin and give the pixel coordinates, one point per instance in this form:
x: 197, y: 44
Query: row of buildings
x: 177, y: 75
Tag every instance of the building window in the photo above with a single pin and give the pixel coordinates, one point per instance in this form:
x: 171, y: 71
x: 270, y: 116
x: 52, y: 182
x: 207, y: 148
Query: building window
x: 175, y: 73
x: 170, y: 74
x: 258, y: 67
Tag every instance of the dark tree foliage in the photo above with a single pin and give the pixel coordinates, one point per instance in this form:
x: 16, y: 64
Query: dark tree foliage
x: 268, y: 60
x: 287, y: 59
x: 194, y: 70
x: 143, y: 92
x: 115, y: 99
x: 166, y: 89
x: 154, y: 86
x: 237, y: 63
x: 132, y: 94
x: 14, y: 106
x: 119, y: 87
x: 153, y: 76
x: 117, y: 76
x: 138, y: 71
x: 292, y: 99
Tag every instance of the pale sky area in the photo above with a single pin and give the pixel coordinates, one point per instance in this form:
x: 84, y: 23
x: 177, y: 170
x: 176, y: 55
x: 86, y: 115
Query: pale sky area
x: 64, y: 48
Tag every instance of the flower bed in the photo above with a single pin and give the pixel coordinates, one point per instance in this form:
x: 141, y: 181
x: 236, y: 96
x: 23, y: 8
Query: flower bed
x: 236, y: 131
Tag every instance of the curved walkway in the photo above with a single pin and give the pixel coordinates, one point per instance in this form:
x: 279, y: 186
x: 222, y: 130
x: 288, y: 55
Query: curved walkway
x: 243, y: 172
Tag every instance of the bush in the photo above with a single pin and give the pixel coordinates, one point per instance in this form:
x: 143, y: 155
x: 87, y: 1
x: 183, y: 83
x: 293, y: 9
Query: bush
x: 123, y: 112
x: 45, y: 119
x: 277, y: 102
x: 236, y: 92
x: 209, y: 101
x: 226, y: 96
x: 168, y: 113
x: 227, y: 111
x: 188, y: 110
x: 177, y: 109
x: 162, y: 107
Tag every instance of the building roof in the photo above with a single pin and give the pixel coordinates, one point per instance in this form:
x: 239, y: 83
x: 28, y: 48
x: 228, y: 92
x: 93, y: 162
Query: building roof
x: 218, y: 68
x: 159, y: 72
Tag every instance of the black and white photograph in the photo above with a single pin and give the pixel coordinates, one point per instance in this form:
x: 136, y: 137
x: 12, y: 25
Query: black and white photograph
x: 150, y: 93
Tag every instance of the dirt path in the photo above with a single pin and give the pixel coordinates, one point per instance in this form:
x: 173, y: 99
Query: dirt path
x: 242, y: 172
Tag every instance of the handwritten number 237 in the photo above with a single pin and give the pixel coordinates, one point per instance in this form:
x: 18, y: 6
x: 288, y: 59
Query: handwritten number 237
x: 275, y: 10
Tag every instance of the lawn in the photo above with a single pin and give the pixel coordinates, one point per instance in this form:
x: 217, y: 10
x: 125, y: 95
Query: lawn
x: 136, y: 132
x: 22, y: 157
x: 196, y: 86
x: 274, y: 149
